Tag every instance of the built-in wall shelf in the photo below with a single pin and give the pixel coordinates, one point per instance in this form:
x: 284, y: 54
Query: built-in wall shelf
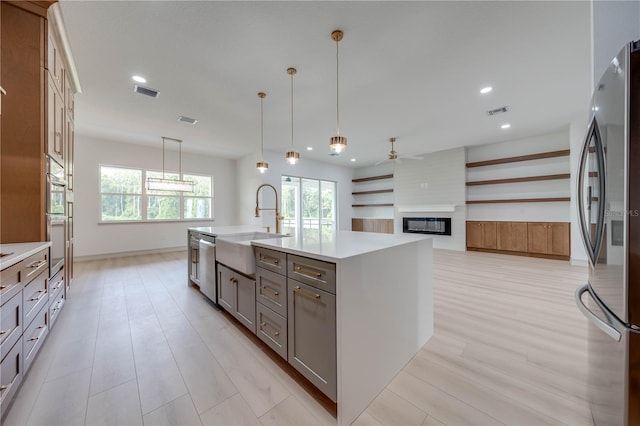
x: 370, y: 178
x: 519, y: 179
x: 550, y: 154
x: 377, y: 191
x: 520, y: 200
x: 373, y: 205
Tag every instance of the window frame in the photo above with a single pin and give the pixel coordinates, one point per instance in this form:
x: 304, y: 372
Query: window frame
x: 298, y: 204
x: 144, y: 197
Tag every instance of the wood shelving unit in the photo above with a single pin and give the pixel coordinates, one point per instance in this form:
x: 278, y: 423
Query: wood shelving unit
x: 550, y: 154
x: 373, y: 205
x: 520, y: 179
x: 377, y: 191
x: 520, y: 200
x: 367, y: 179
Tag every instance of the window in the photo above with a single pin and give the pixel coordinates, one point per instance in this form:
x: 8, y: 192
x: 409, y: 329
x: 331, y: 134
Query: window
x: 308, y: 206
x: 124, y: 197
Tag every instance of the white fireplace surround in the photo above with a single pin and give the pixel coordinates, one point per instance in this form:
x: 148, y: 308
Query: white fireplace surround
x: 426, y: 208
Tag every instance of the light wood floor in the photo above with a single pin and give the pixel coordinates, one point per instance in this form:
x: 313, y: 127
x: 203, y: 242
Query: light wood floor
x: 135, y: 345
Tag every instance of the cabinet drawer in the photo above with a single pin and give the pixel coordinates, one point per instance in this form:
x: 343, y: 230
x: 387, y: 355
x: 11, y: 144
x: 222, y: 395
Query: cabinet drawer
x: 10, y: 282
x: 55, y: 306
x: 271, y: 291
x: 34, y: 336
x: 34, y: 265
x: 272, y: 260
x: 34, y: 297
x: 313, y: 272
x: 272, y: 329
x: 10, y: 324
x: 10, y: 376
x: 56, y: 284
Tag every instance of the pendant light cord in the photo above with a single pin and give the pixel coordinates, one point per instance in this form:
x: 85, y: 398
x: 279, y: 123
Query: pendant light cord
x: 292, y: 111
x: 337, y: 90
x: 261, y: 129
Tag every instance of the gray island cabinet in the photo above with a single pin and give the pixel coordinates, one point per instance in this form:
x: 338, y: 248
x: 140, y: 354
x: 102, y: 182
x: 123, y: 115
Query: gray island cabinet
x: 358, y: 308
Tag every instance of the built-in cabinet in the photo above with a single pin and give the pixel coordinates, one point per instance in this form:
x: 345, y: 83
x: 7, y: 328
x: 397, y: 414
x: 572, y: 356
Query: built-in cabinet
x: 237, y: 294
x: 373, y: 192
x: 384, y: 226
x: 546, y: 239
x: 25, y: 297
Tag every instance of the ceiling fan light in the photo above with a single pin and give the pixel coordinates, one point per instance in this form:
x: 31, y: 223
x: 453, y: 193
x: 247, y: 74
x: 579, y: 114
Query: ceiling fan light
x: 337, y: 143
x: 292, y: 157
x: 262, y: 166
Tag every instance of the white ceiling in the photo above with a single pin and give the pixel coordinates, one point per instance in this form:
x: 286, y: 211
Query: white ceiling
x: 407, y: 69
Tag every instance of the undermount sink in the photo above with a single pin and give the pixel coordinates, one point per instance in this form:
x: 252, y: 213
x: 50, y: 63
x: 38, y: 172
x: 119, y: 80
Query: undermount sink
x: 236, y: 252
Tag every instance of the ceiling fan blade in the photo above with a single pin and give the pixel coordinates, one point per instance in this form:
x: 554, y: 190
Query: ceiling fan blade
x: 382, y: 161
x: 411, y: 157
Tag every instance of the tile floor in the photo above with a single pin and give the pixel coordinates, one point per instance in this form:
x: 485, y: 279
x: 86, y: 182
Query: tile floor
x: 135, y: 345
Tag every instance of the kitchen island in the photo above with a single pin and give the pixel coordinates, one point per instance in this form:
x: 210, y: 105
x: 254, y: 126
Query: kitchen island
x: 347, y: 310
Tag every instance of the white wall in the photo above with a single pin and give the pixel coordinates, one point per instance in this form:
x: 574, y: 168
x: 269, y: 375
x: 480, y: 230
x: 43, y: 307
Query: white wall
x: 249, y: 179
x: 94, y: 239
x: 577, y: 131
x: 438, y: 179
x: 614, y: 23
x: 552, y: 212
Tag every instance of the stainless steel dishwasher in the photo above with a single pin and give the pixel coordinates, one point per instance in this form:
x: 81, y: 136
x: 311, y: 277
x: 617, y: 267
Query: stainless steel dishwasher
x: 207, y: 268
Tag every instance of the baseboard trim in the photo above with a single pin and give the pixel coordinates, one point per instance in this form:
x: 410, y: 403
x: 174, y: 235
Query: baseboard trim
x: 579, y: 262
x: 127, y: 254
x: 520, y: 253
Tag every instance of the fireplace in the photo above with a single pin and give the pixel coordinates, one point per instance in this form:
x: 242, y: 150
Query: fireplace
x: 427, y: 225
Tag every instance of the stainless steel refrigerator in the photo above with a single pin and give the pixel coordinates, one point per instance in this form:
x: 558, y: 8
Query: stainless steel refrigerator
x: 609, y: 215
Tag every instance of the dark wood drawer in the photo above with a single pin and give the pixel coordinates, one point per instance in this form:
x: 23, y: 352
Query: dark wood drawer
x: 10, y: 375
x: 271, y: 291
x: 34, y: 336
x: 10, y: 282
x: 55, y: 306
x: 272, y: 260
x: 315, y: 273
x: 34, y: 297
x: 11, y: 324
x: 34, y: 265
x: 272, y: 329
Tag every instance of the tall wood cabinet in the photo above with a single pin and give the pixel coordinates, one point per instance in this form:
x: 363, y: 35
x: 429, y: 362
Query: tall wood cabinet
x: 36, y: 122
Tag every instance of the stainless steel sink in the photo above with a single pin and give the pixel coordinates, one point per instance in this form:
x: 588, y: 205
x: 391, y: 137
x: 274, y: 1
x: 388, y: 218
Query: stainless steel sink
x: 236, y: 252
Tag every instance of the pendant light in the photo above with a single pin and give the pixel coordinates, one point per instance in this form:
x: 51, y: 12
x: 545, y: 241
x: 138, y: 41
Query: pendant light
x: 292, y: 156
x: 164, y: 184
x: 262, y: 165
x: 337, y: 143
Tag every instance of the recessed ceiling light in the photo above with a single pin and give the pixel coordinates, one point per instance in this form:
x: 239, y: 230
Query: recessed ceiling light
x: 309, y: 148
x: 353, y: 159
x: 505, y: 126
x: 139, y: 79
x: 486, y: 90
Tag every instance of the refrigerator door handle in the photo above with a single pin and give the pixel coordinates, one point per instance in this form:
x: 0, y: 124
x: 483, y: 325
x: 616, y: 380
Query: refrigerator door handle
x: 607, y: 328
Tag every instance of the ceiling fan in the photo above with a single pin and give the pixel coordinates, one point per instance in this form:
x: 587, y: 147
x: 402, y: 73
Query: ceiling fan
x: 393, y: 155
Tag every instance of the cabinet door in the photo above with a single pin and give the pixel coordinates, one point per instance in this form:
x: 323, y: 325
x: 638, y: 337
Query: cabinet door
x: 226, y: 289
x: 54, y: 63
x: 537, y: 237
x: 489, y: 235
x: 55, y: 111
x: 558, y: 239
x: 10, y: 376
x: 69, y: 144
x: 245, y: 307
x: 312, y: 335
x: 512, y: 236
x: 357, y: 224
x: 474, y: 234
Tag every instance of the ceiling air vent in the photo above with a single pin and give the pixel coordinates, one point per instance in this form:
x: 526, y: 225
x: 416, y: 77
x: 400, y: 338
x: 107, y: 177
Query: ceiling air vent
x: 187, y: 120
x: 146, y: 91
x: 497, y: 111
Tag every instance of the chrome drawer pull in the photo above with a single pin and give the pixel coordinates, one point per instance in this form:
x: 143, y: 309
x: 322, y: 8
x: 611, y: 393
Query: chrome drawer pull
x: 32, y: 339
x: 233, y: 280
x: 306, y: 293
x: 271, y: 260
x: 33, y: 299
x: 308, y: 272
x: 4, y: 388
x: 3, y: 332
x: 2, y: 287
x: 40, y: 327
x: 263, y: 327
x: 267, y: 289
x: 36, y: 263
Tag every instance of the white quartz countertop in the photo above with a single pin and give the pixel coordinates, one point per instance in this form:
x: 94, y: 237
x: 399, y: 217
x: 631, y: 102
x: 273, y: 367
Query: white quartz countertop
x: 216, y: 231
x: 333, y: 247
x: 19, y: 252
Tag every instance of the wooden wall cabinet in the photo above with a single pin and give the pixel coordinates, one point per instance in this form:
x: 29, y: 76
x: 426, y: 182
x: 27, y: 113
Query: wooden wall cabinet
x: 384, y: 226
x: 549, y: 238
x: 482, y: 235
x: 541, y: 239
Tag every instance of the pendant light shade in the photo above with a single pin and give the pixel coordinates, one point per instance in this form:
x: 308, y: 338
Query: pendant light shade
x: 163, y: 184
x: 337, y: 143
x: 262, y: 165
x: 292, y: 156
